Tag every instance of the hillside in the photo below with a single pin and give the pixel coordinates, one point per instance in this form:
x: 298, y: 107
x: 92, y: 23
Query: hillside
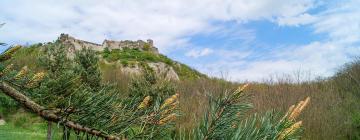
x: 129, y: 57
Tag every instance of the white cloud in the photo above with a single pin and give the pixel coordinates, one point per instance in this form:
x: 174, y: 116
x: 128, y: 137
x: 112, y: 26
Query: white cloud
x: 199, y: 53
x: 339, y: 24
x: 164, y: 21
x: 301, y: 19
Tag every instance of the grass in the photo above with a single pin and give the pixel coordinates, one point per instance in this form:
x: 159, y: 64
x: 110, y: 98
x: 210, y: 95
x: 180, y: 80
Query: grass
x: 22, y: 124
x: 11, y: 132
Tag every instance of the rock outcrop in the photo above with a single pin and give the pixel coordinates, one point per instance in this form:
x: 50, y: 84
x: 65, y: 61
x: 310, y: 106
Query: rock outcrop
x: 162, y: 69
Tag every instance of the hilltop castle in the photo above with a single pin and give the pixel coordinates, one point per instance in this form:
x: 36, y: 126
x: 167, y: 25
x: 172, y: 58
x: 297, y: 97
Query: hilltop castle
x: 77, y: 44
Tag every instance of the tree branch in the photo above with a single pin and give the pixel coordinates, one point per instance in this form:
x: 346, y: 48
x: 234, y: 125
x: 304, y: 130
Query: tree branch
x: 49, y: 114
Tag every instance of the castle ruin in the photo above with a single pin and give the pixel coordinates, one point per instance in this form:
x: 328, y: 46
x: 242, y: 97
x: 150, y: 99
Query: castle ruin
x: 77, y: 44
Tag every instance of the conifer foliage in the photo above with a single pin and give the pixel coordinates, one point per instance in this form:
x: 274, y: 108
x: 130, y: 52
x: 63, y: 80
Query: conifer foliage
x: 71, y: 94
x: 88, y: 69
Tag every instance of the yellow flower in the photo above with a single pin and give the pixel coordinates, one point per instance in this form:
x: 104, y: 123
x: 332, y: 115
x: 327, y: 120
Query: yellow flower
x: 244, y: 87
x: 13, y: 49
x: 170, y: 100
x: 145, y: 102
x: 36, y: 79
x: 290, y: 130
x: 241, y: 89
x: 21, y: 74
x: 8, y: 68
x: 171, y: 108
x: 299, y: 108
x: 169, y: 118
x: 290, y: 110
x: 9, y: 52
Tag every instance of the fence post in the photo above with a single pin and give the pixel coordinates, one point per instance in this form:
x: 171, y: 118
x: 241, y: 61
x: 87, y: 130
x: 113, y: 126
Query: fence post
x: 49, y: 131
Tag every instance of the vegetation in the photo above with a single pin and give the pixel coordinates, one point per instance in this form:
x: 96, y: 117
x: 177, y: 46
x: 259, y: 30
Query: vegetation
x: 333, y: 112
x: 148, y: 112
x: 128, y: 56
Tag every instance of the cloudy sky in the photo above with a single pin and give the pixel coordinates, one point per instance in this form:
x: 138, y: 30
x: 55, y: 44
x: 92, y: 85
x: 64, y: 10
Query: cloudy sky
x: 241, y: 39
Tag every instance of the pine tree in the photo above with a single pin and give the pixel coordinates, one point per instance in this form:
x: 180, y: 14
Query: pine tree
x: 88, y: 69
x: 61, y: 97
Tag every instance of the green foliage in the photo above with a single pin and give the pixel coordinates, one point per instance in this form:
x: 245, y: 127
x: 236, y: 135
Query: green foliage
x: 347, y: 82
x: 88, y: 68
x: 106, y: 52
x: 61, y: 79
x: 185, y: 72
x: 226, y: 118
x: 147, y: 47
x: 55, y: 60
x: 150, y: 85
x: 67, y: 88
x: 27, y: 56
x: 132, y: 55
x: 125, y: 63
x: 103, y: 109
x: 126, y: 56
x: 356, y: 125
x: 7, y: 105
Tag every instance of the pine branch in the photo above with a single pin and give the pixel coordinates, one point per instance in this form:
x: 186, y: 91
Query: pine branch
x: 49, y: 114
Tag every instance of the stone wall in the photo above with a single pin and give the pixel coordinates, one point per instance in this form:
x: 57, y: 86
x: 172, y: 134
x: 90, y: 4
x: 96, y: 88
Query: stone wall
x: 78, y: 44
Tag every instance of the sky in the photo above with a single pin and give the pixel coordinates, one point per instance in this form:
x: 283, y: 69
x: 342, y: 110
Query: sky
x: 235, y: 39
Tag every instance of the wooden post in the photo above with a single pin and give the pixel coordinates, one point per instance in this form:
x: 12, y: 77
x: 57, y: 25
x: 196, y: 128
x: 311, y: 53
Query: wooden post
x: 49, y: 131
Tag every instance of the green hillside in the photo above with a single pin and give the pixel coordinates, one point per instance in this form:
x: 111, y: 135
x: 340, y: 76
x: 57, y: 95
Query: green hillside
x: 127, y: 57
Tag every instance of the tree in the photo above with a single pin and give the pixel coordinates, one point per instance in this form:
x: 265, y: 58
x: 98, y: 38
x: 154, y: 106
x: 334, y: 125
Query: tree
x: 62, y: 98
x: 88, y: 69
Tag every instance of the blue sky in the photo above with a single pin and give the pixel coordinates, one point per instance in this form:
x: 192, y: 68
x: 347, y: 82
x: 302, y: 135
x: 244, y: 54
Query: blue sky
x: 236, y: 39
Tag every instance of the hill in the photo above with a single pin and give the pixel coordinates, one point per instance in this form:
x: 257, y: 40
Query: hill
x: 127, y: 57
